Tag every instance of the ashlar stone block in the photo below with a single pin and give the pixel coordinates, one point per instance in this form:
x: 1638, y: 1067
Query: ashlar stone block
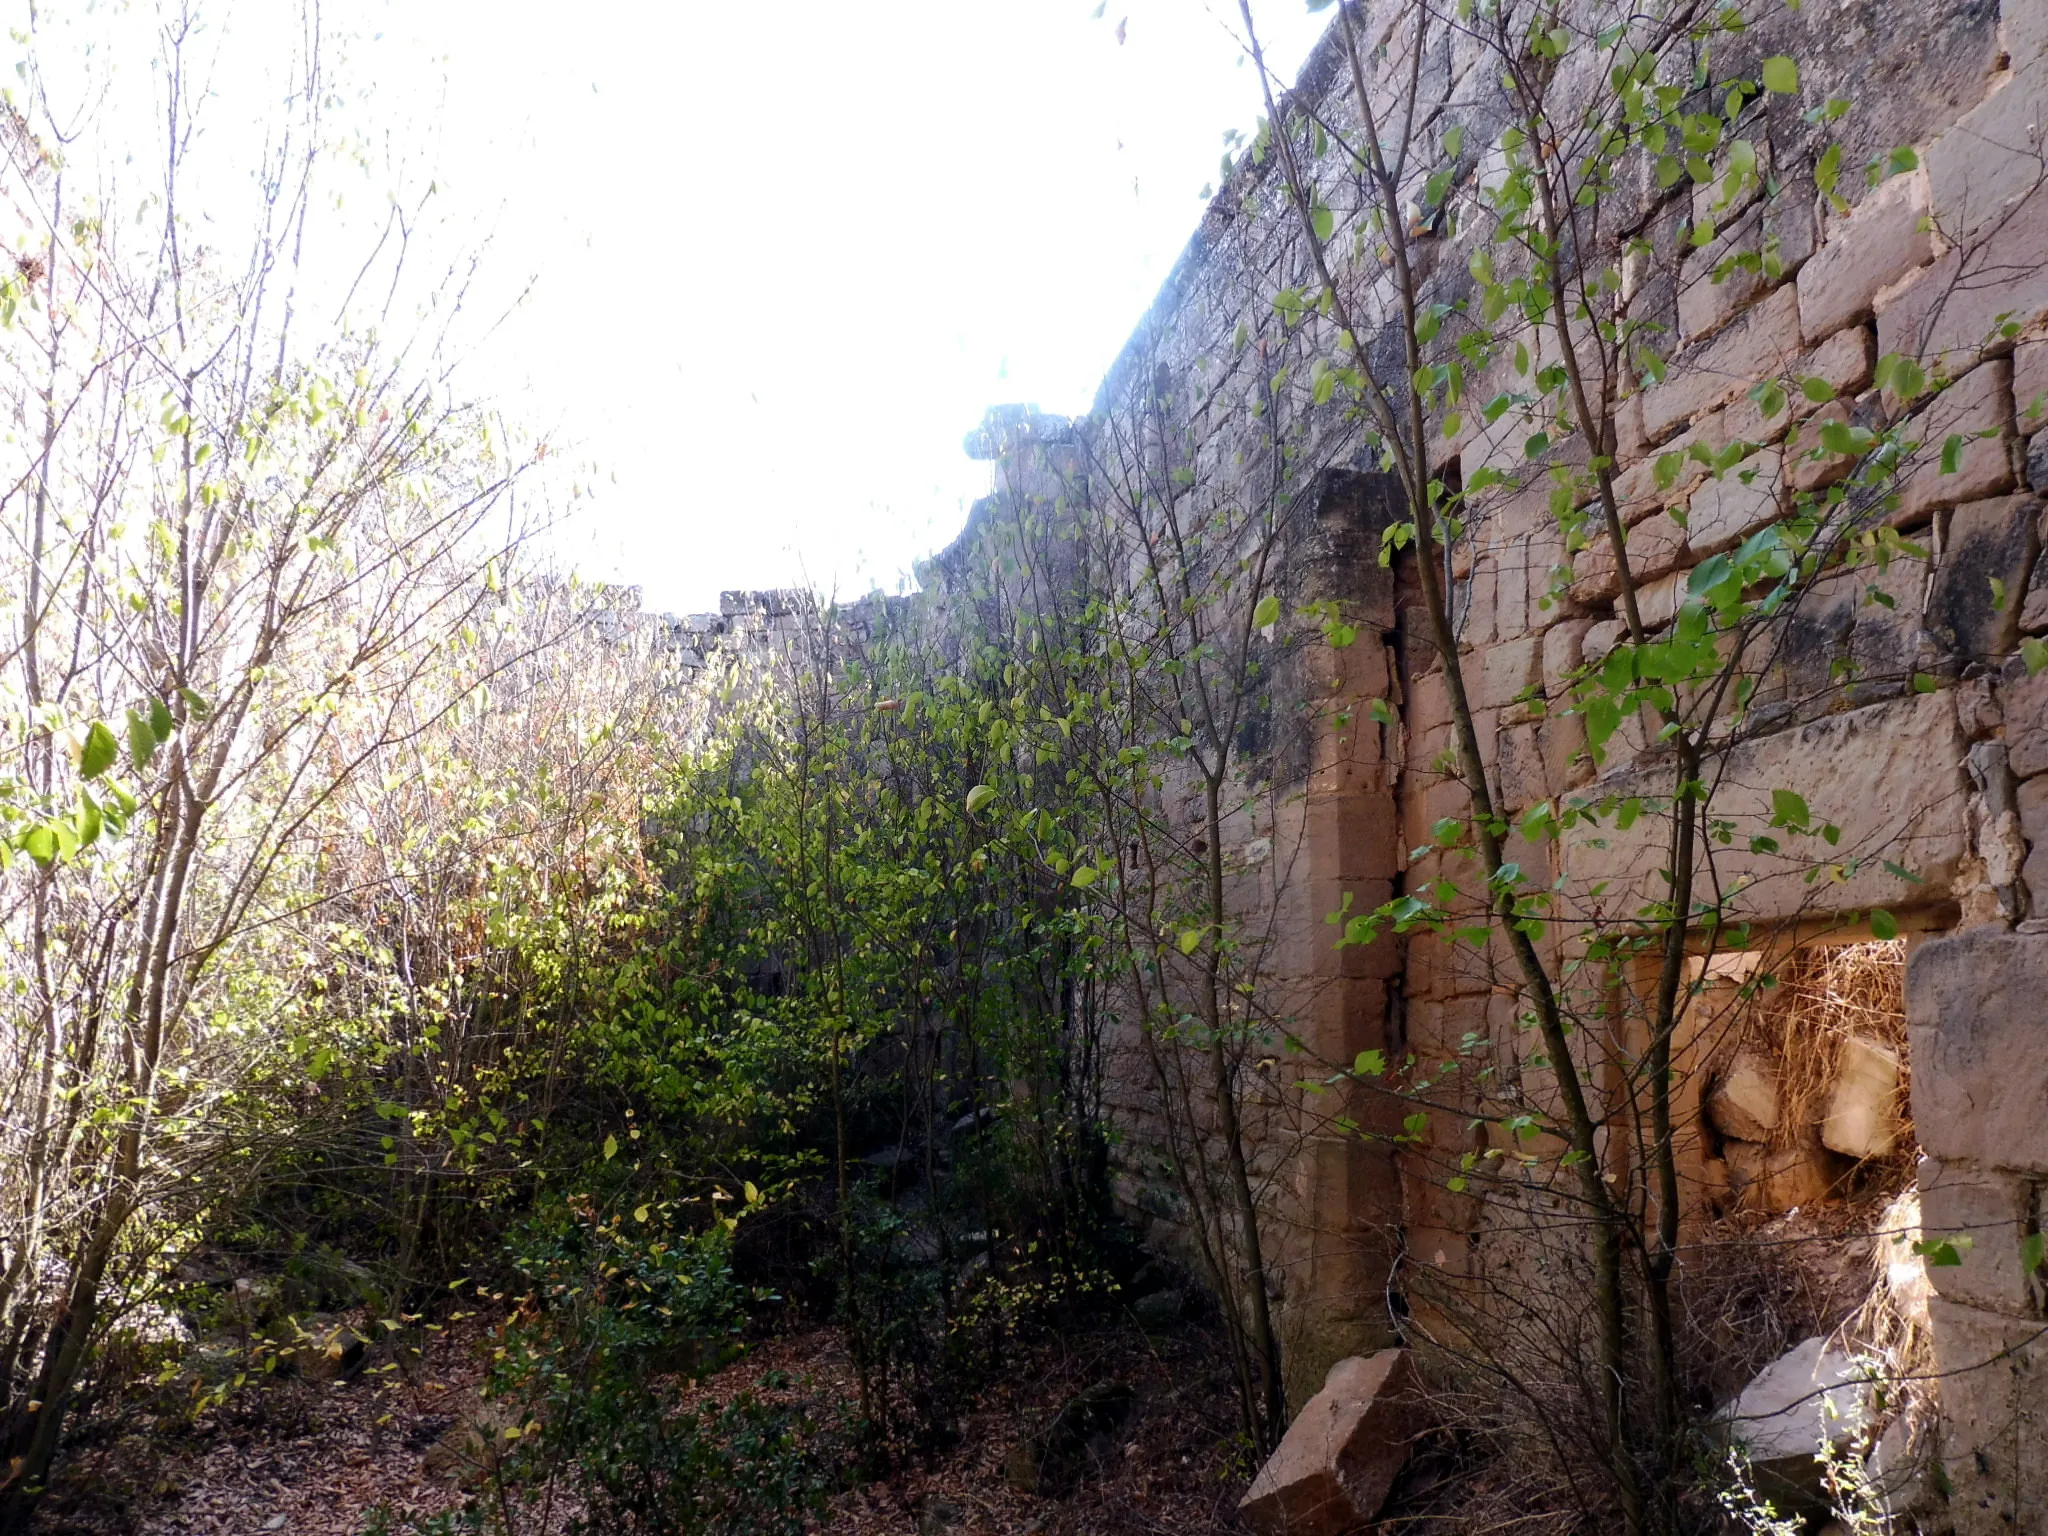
x: 1991, y: 158
x: 1987, y: 1218
x: 1979, y: 1029
x: 1989, y: 550
x: 1882, y: 241
x: 1965, y: 438
x: 1731, y: 506
x: 1701, y: 378
x: 1967, y: 302
x: 1994, y: 1398
x: 1889, y: 775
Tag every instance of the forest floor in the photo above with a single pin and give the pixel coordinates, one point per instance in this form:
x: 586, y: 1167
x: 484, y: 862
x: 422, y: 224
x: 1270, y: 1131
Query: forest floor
x: 369, y: 1453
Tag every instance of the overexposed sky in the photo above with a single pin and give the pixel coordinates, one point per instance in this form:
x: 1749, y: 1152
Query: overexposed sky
x: 777, y: 258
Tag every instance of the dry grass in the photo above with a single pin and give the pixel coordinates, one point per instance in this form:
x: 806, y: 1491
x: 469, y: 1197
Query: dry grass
x: 1827, y: 994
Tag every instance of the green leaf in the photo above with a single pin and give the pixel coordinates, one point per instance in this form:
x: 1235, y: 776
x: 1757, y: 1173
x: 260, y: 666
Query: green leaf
x: 1085, y: 876
x: 1370, y: 1064
x: 2032, y: 1255
x: 1882, y: 924
x: 1781, y: 76
x: 2035, y: 654
x: 160, y: 722
x: 1788, y: 809
x: 39, y: 842
x: 1190, y: 940
x: 1268, y: 612
x: 88, y: 820
x: 1952, y: 453
x: 1901, y: 375
x: 611, y: 1148
x: 1829, y: 170
x: 979, y: 796
x: 640, y: 1213
x: 1943, y: 1252
x: 99, y: 751
x: 141, y: 741
x: 1818, y: 390
x: 1923, y: 683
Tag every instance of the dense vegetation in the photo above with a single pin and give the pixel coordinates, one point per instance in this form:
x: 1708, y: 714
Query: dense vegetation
x: 389, y: 915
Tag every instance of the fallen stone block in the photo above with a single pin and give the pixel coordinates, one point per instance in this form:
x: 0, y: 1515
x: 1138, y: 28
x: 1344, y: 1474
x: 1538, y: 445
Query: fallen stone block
x: 1334, y: 1468
x: 1863, y: 1104
x: 1744, y: 1103
x: 1813, y: 1396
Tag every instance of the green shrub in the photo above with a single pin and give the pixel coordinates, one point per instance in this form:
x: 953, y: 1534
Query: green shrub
x: 626, y: 1313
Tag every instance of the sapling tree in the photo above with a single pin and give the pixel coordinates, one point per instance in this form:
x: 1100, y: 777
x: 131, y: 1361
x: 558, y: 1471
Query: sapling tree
x: 235, y: 550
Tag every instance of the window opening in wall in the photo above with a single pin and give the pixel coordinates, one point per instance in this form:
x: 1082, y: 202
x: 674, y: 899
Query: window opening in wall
x: 1807, y: 1209
x: 1809, y: 1096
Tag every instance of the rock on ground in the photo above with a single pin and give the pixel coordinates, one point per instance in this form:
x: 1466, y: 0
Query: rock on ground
x: 1339, y: 1458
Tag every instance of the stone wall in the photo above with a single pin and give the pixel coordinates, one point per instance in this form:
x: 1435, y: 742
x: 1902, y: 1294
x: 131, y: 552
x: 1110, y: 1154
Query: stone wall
x: 1909, y: 720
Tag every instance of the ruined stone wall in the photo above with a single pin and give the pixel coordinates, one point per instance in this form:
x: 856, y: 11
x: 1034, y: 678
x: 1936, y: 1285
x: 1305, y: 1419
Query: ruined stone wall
x: 1897, y: 702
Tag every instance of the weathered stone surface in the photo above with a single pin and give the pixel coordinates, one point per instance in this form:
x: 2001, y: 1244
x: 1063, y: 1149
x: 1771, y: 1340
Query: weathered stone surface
x: 1730, y: 507
x: 2023, y: 702
x: 1654, y: 547
x: 1519, y: 774
x: 1507, y: 670
x: 1812, y: 1396
x: 1974, y: 1004
x: 1658, y: 601
x: 1808, y: 464
x: 1863, y: 1109
x: 1994, y: 1398
x: 1988, y: 542
x: 1701, y: 378
x: 1338, y: 1460
x: 2033, y: 811
x: 1957, y: 308
x: 1987, y: 1217
x: 2030, y: 385
x: 1845, y: 362
x: 1991, y: 158
x: 1564, y: 648
x: 1883, y: 240
x: 1714, y: 285
x: 1636, y: 489
x: 1595, y: 577
x: 1977, y: 404
x: 1895, y: 790
x: 1744, y: 1102
x: 1897, y: 1467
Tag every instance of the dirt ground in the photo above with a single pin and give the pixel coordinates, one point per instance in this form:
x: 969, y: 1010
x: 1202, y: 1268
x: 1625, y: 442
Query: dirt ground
x: 320, y: 1460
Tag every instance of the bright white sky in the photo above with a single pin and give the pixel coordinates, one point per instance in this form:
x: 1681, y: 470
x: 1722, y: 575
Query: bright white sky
x: 782, y: 256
